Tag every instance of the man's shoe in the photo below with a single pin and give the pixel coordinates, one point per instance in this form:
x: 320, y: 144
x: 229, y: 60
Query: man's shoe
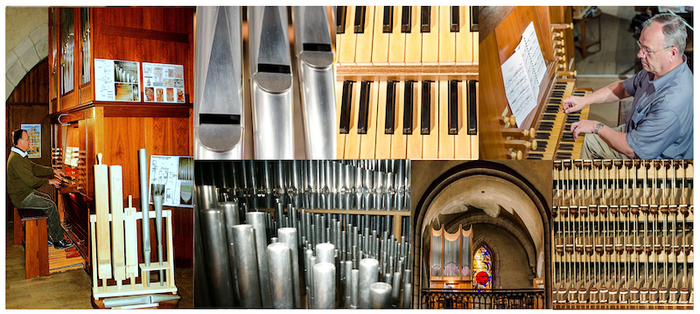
x: 62, y: 245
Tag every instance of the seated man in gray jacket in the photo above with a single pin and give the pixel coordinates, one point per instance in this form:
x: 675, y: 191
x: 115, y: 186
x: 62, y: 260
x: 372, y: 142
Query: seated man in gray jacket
x: 23, y: 177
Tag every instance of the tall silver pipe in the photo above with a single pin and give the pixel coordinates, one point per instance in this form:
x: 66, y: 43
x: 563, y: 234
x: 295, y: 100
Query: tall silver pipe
x: 406, y: 296
x: 145, y: 222
x: 379, y: 182
x: 312, y: 285
x: 158, y: 191
x: 328, y: 188
x: 390, y: 191
x: 258, y: 220
x: 289, y: 237
x: 400, y: 184
x: 230, y: 210
x: 355, y: 287
x: 380, y: 295
x: 396, y: 287
x: 338, y: 185
x: 271, y: 83
x: 308, y: 253
x: 216, y: 252
x: 367, y: 189
x: 324, y: 286
x: 280, y: 261
x: 358, y: 188
x: 246, y: 265
x: 348, y: 284
x: 369, y: 271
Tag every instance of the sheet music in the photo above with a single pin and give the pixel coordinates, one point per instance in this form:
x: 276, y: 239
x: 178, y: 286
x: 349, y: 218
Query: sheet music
x: 522, y: 74
x: 518, y: 86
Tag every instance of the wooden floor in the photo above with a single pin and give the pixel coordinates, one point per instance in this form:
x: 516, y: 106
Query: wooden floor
x: 66, y: 290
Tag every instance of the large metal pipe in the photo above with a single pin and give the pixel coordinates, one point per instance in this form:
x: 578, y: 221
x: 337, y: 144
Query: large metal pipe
x: 325, y: 253
x: 396, y: 287
x: 348, y: 284
x: 324, y: 286
x: 231, y: 217
x: 145, y: 222
x: 380, y: 295
x: 258, y: 220
x: 246, y: 265
x: 288, y: 236
x: 280, y: 261
x: 216, y: 252
x: 369, y: 270
x: 406, y: 296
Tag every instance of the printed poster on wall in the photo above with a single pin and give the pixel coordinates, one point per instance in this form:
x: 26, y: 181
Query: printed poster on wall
x: 34, y: 132
x: 117, y: 80
x: 163, y: 83
x: 176, y: 174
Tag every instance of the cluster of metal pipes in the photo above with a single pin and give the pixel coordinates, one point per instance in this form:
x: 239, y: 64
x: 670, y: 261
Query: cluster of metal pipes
x: 276, y: 262
x: 623, y: 232
x: 326, y: 184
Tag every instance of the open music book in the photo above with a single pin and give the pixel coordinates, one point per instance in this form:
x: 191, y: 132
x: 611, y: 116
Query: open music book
x: 522, y: 74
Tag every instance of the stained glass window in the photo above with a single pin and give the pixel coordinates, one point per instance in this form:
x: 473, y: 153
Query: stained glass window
x: 482, y: 269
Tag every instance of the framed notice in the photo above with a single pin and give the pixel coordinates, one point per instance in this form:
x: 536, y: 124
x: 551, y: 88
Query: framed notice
x: 117, y: 80
x: 34, y: 132
x: 176, y: 173
x: 163, y: 83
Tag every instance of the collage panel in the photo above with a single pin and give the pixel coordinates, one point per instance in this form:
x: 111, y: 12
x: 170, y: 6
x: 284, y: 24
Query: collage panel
x: 623, y: 234
x: 482, y: 238
x: 311, y: 234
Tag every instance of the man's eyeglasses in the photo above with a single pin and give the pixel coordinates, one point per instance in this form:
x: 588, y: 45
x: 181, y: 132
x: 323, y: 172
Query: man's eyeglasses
x: 647, y: 51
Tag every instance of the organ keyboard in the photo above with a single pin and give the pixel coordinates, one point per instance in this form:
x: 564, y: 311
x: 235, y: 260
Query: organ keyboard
x: 623, y: 235
x: 545, y: 132
x: 395, y: 102
x: 283, y: 96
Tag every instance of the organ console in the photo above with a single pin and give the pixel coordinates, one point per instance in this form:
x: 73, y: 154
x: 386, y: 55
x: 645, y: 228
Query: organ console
x: 245, y: 101
x: 407, y: 82
x: 623, y: 233
x: 545, y: 132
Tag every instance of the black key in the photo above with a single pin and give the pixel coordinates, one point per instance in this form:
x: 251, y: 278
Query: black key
x: 388, y: 22
x: 475, y: 19
x: 406, y: 19
x: 360, y: 19
x: 535, y: 156
x: 390, y: 107
x: 345, y: 107
x: 425, y: 109
x: 364, y: 108
x: 424, y: 19
x: 408, y: 108
x: 549, y: 117
x: 340, y: 13
x: 541, y: 135
x: 471, y: 126
x: 454, y: 19
x: 453, y: 109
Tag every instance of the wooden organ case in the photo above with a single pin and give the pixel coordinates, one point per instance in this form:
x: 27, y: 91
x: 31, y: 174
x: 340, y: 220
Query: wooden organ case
x: 450, y: 259
x: 82, y: 126
x: 623, y: 234
x: 407, y: 82
x: 545, y: 132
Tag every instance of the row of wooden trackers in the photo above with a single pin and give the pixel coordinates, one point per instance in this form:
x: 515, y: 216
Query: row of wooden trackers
x: 115, y: 240
x: 313, y: 184
x: 623, y: 234
x: 299, y: 259
x: 219, y: 105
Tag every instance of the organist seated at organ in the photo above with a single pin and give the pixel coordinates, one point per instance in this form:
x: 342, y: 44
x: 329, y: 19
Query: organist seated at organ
x: 660, y: 125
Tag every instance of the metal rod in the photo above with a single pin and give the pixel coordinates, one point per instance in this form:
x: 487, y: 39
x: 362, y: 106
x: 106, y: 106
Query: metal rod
x: 355, y: 287
x: 230, y: 210
x: 145, y: 222
x: 158, y: 191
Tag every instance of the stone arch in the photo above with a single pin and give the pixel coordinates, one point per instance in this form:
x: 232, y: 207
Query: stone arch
x: 491, y: 170
x: 27, y: 36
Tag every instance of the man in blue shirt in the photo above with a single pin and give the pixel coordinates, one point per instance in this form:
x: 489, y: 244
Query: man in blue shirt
x: 660, y: 124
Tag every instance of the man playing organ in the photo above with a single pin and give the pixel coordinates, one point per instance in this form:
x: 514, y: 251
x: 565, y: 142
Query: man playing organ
x: 660, y: 125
